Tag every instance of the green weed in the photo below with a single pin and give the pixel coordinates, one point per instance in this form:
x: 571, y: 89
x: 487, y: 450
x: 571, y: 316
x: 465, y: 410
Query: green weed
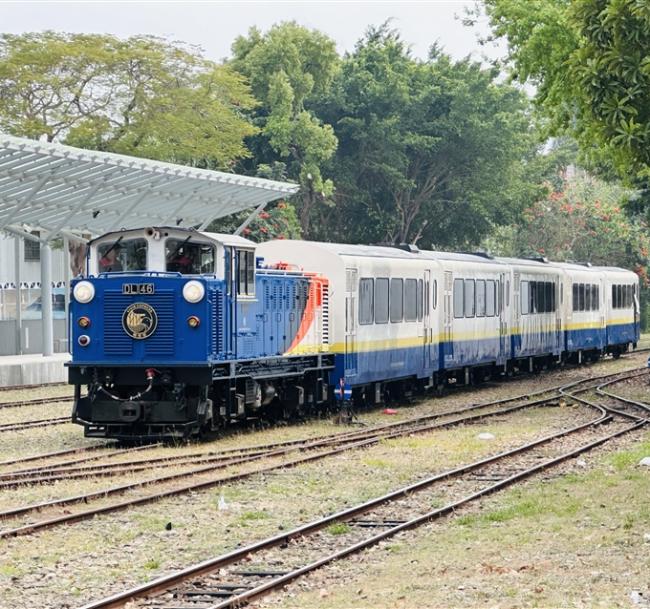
x: 338, y: 528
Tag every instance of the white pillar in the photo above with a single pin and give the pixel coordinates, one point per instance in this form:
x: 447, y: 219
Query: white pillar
x: 46, y: 299
x: 66, y: 292
x: 19, y: 312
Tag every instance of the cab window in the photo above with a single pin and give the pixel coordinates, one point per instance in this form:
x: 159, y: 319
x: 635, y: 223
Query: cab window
x: 184, y: 256
x: 122, y: 255
x: 245, y: 273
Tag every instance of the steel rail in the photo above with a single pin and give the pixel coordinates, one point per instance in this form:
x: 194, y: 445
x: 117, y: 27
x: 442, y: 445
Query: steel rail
x: 79, y: 516
x: 23, y: 387
x: 37, y: 401
x: 169, y: 582
x: 56, y: 453
x: 96, y: 470
x: 70, y: 518
x: 52, y: 467
x: 33, y: 424
x: 41, y: 475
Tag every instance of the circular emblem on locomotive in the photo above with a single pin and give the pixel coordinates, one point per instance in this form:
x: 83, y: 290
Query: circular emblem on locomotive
x: 139, y: 320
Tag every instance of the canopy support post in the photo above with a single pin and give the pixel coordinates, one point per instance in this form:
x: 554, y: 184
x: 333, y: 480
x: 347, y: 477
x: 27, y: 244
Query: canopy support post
x: 46, y: 298
x: 19, y: 312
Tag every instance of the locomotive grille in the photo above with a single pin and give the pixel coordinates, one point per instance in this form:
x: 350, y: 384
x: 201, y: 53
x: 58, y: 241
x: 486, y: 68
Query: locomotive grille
x: 218, y: 329
x: 162, y: 341
x: 326, y: 315
x: 117, y: 342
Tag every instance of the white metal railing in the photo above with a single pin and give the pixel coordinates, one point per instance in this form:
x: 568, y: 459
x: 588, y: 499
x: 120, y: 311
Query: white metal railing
x: 29, y: 296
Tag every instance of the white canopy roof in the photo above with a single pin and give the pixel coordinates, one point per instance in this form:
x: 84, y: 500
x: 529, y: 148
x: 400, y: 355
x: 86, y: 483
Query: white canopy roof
x: 61, y: 190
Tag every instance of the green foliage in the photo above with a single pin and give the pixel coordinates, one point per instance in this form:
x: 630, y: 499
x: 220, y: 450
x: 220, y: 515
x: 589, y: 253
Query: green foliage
x: 152, y: 564
x: 142, y: 96
x: 288, y: 67
x: 423, y: 147
x: 589, y: 61
x: 338, y: 528
x: 585, y: 221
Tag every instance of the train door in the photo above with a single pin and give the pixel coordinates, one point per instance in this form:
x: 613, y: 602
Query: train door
x: 516, y: 322
x: 602, y: 305
x: 351, y: 284
x: 427, y: 330
x: 559, y: 330
x: 448, y: 343
x: 502, y: 303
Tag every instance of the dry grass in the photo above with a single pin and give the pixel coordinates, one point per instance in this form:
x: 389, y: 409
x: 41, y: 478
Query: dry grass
x: 122, y: 549
x: 577, y: 541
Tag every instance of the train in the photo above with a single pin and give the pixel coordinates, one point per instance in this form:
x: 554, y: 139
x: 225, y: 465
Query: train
x: 176, y: 332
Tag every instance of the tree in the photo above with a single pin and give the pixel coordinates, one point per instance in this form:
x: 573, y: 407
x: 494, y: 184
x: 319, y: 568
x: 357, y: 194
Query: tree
x: 584, y: 221
x: 430, y: 152
x: 142, y: 96
x: 590, y: 63
x: 288, y: 67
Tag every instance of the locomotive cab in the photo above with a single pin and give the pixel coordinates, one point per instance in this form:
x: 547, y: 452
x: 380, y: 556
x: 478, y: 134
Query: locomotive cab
x: 171, y: 250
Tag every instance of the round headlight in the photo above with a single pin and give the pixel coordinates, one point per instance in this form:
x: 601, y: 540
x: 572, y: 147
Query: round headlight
x: 193, y: 291
x: 84, y: 292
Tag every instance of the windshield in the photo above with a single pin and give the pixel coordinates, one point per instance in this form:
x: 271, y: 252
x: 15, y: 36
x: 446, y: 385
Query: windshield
x: 122, y: 255
x: 184, y: 256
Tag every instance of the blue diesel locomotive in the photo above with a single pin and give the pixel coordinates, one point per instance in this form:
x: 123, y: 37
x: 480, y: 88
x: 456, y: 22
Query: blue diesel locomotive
x: 175, y: 331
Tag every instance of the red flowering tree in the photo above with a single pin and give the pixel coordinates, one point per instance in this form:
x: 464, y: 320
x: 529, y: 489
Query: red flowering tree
x: 585, y: 222
x: 277, y: 222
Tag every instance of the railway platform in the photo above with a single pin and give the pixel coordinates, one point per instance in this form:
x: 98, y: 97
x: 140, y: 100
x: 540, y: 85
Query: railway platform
x: 35, y: 369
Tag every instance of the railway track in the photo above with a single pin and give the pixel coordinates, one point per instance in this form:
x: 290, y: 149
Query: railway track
x: 66, y: 470
x: 236, y: 578
x: 23, y: 387
x: 37, y: 401
x: 31, y: 424
x: 316, y: 449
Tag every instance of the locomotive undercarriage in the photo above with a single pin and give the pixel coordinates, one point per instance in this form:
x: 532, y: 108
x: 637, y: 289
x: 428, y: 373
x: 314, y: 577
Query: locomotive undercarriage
x: 146, y: 404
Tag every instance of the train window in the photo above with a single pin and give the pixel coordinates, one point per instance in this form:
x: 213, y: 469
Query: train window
x: 245, y: 272
x: 524, y: 294
x: 629, y: 295
x: 410, y: 300
x: 595, y: 296
x: 581, y: 297
x: 480, y: 298
x: 534, y: 297
x: 420, y: 299
x: 366, y: 301
x: 549, y: 289
x: 470, y: 300
x: 396, y: 300
x: 490, y: 298
x: 184, y: 256
x: 588, y: 297
x: 459, y: 298
x: 435, y: 293
x: 381, y: 301
x: 576, y: 289
x: 122, y: 255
